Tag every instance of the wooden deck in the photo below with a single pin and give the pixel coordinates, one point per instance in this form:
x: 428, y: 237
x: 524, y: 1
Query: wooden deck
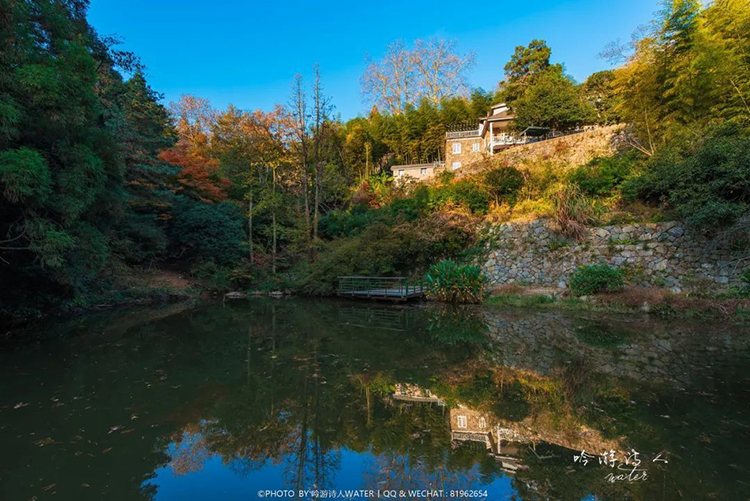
x: 389, y: 288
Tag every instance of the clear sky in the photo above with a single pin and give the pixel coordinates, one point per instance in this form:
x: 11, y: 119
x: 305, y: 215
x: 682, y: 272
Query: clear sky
x: 246, y: 53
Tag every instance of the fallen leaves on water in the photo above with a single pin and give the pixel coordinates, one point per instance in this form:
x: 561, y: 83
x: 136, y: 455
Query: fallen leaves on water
x: 44, y: 441
x: 20, y: 405
x: 106, y: 450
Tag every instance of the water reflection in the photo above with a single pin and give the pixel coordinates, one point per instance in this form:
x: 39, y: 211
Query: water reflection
x: 223, y: 400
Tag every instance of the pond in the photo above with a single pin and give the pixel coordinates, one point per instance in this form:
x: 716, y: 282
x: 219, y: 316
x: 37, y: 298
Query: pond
x: 252, y: 399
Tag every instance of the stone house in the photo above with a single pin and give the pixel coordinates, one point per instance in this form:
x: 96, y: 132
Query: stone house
x: 491, y: 135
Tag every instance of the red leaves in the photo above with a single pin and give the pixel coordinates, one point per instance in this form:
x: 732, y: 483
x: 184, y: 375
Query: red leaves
x: 199, y: 174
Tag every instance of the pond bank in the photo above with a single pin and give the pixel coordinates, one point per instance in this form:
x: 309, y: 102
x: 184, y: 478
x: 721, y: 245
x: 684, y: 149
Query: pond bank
x: 653, y: 301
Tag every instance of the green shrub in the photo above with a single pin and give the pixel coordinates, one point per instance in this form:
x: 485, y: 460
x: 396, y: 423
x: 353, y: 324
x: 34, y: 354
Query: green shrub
x: 707, y: 187
x: 342, y: 223
x: 221, y: 278
x: 455, y: 283
x: 464, y: 193
x: 603, y: 175
x: 504, y: 182
x: 383, y: 250
x: 209, y: 231
x: 587, y: 280
x: 213, y: 276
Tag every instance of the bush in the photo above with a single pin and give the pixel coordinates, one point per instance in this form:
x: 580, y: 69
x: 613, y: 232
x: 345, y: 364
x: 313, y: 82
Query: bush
x: 464, y: 193
x: 341, y: 223
x: 707, y: 187
x: 573, y: 211
x: 209, y: 231
x: 504, y: 182
x: 596, y: 278
x: 603, y: 175
x: 455, y: 283
x: 383, y: 250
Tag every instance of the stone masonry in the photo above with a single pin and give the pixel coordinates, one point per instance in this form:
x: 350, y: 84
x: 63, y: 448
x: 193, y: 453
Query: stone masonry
x: 649, y: 254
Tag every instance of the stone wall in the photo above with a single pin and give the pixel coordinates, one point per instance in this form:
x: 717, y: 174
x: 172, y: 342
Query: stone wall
x: 658, y: 254
x: 565, y: 152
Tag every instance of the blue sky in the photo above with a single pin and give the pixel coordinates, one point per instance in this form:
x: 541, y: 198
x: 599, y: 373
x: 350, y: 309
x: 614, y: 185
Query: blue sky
x: 246, y: 53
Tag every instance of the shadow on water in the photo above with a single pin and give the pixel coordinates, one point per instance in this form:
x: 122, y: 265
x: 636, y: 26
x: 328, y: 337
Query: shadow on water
x: 222, y: 400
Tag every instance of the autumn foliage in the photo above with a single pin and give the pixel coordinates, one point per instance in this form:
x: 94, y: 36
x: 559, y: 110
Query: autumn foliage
x: 199, y: 175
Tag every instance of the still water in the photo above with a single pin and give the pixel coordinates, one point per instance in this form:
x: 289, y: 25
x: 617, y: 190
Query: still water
x: 221, y: 401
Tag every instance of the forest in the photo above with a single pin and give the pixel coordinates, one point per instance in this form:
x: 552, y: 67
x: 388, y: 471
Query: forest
x: 101, y: 181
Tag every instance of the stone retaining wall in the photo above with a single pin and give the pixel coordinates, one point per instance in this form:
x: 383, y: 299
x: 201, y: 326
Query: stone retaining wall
x: 650, y: 254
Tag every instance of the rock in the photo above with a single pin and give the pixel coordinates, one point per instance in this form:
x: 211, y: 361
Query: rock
x: 676, y: 231
x: 235, y: 295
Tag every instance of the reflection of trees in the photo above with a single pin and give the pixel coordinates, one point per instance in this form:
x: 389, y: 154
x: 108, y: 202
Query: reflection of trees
x: 396, y: 471
x: 189, y: 454
x: 305, y: 394
x: 459, y: 326
x: 282, y: 383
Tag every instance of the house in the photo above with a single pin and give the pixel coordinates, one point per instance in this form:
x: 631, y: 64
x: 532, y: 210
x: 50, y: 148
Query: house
x: 491, y: 135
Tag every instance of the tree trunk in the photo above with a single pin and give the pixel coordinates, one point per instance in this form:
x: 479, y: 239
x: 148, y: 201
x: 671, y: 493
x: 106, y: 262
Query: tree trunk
x: 306, y: 187
x: 316, y: 216
x: 273, y: 224
x: 250, y: 228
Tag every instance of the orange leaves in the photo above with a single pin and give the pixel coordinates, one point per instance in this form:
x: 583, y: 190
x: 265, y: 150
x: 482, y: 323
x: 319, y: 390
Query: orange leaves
x: 200, y: 174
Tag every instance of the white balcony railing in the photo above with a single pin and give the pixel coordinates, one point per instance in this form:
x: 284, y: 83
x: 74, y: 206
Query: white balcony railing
x: 508, y: 140
x: 462, y: 134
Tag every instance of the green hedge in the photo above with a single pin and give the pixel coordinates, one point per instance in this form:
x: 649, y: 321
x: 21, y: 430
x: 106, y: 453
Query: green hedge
x: 587, y: 280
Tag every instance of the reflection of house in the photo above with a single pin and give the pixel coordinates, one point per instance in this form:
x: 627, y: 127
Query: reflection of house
x: 412, y: 393
x: 469, y: 425
x: 505, y: 440
x: 491, y: 135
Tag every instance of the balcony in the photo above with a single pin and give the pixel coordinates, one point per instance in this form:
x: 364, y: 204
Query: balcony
x: 461, y: 134
x: 508, y: 140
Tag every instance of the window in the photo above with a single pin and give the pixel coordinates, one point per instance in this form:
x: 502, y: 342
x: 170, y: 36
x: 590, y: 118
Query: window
x: 456, y: 165
x: 482, y: 423
x: 400, y: 172
x: 423, y: 171
x: 475, y: 147
x: 461, y: 421
x: 456, y: 148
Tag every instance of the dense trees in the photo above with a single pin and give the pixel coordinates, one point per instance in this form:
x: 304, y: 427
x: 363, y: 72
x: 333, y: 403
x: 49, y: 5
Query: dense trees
x: 95, y: 170
x: 61, y: 166
x: 541, y: 94
x: 691, y: 68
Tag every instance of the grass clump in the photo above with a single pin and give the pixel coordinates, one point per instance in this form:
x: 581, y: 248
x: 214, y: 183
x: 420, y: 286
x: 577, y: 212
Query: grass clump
x: 596, y: 278
x: 520, y: 300
x: 456, y: 283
